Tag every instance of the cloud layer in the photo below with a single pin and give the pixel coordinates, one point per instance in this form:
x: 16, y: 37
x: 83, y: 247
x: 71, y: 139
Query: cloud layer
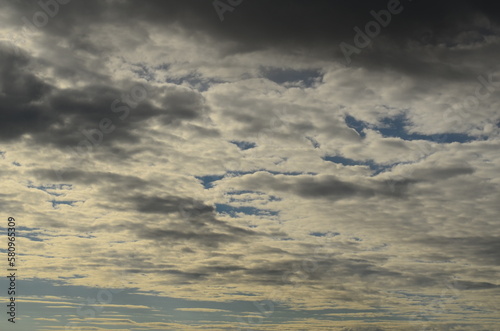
x: 233, y: 166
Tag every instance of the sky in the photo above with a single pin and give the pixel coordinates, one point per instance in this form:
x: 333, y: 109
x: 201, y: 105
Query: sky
x: 250, y: 164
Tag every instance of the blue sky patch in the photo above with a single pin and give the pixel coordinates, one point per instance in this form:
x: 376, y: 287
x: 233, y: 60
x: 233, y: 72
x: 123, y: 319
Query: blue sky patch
x: 397, y: 127
x: 32, y: 234
x: 143, y: 71
x: 375, y: 167
x: 324, y: 234
x: 195, y: 80
x: 358, y: 126
x: 274, y: 198
x: 231, y: 210
x: 67, y: 202
x: 243, y: 145
x: 52, y: 187
x: 244, y: 192
x: 314, y: 142
x: 235, y: 196
x: 207, y: 181
x: 282, y: 76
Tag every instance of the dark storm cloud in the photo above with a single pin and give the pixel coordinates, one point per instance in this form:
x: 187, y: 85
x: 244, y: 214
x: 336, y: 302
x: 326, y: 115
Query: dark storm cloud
x: 263, y: 23
x: 67, y: 117
x: 53, y: 116
x: 293, y: 26
x: 20, y: 89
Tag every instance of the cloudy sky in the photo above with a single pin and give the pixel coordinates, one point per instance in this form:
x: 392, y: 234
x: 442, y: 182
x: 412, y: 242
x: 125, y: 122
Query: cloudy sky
x: 251, y: 165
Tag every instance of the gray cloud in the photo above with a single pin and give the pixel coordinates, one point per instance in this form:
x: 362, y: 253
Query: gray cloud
x: 482, y: 250
x: 328, y: 187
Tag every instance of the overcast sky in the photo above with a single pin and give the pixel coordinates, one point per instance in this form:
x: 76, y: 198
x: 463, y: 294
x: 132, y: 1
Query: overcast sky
x: 251, y: 165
